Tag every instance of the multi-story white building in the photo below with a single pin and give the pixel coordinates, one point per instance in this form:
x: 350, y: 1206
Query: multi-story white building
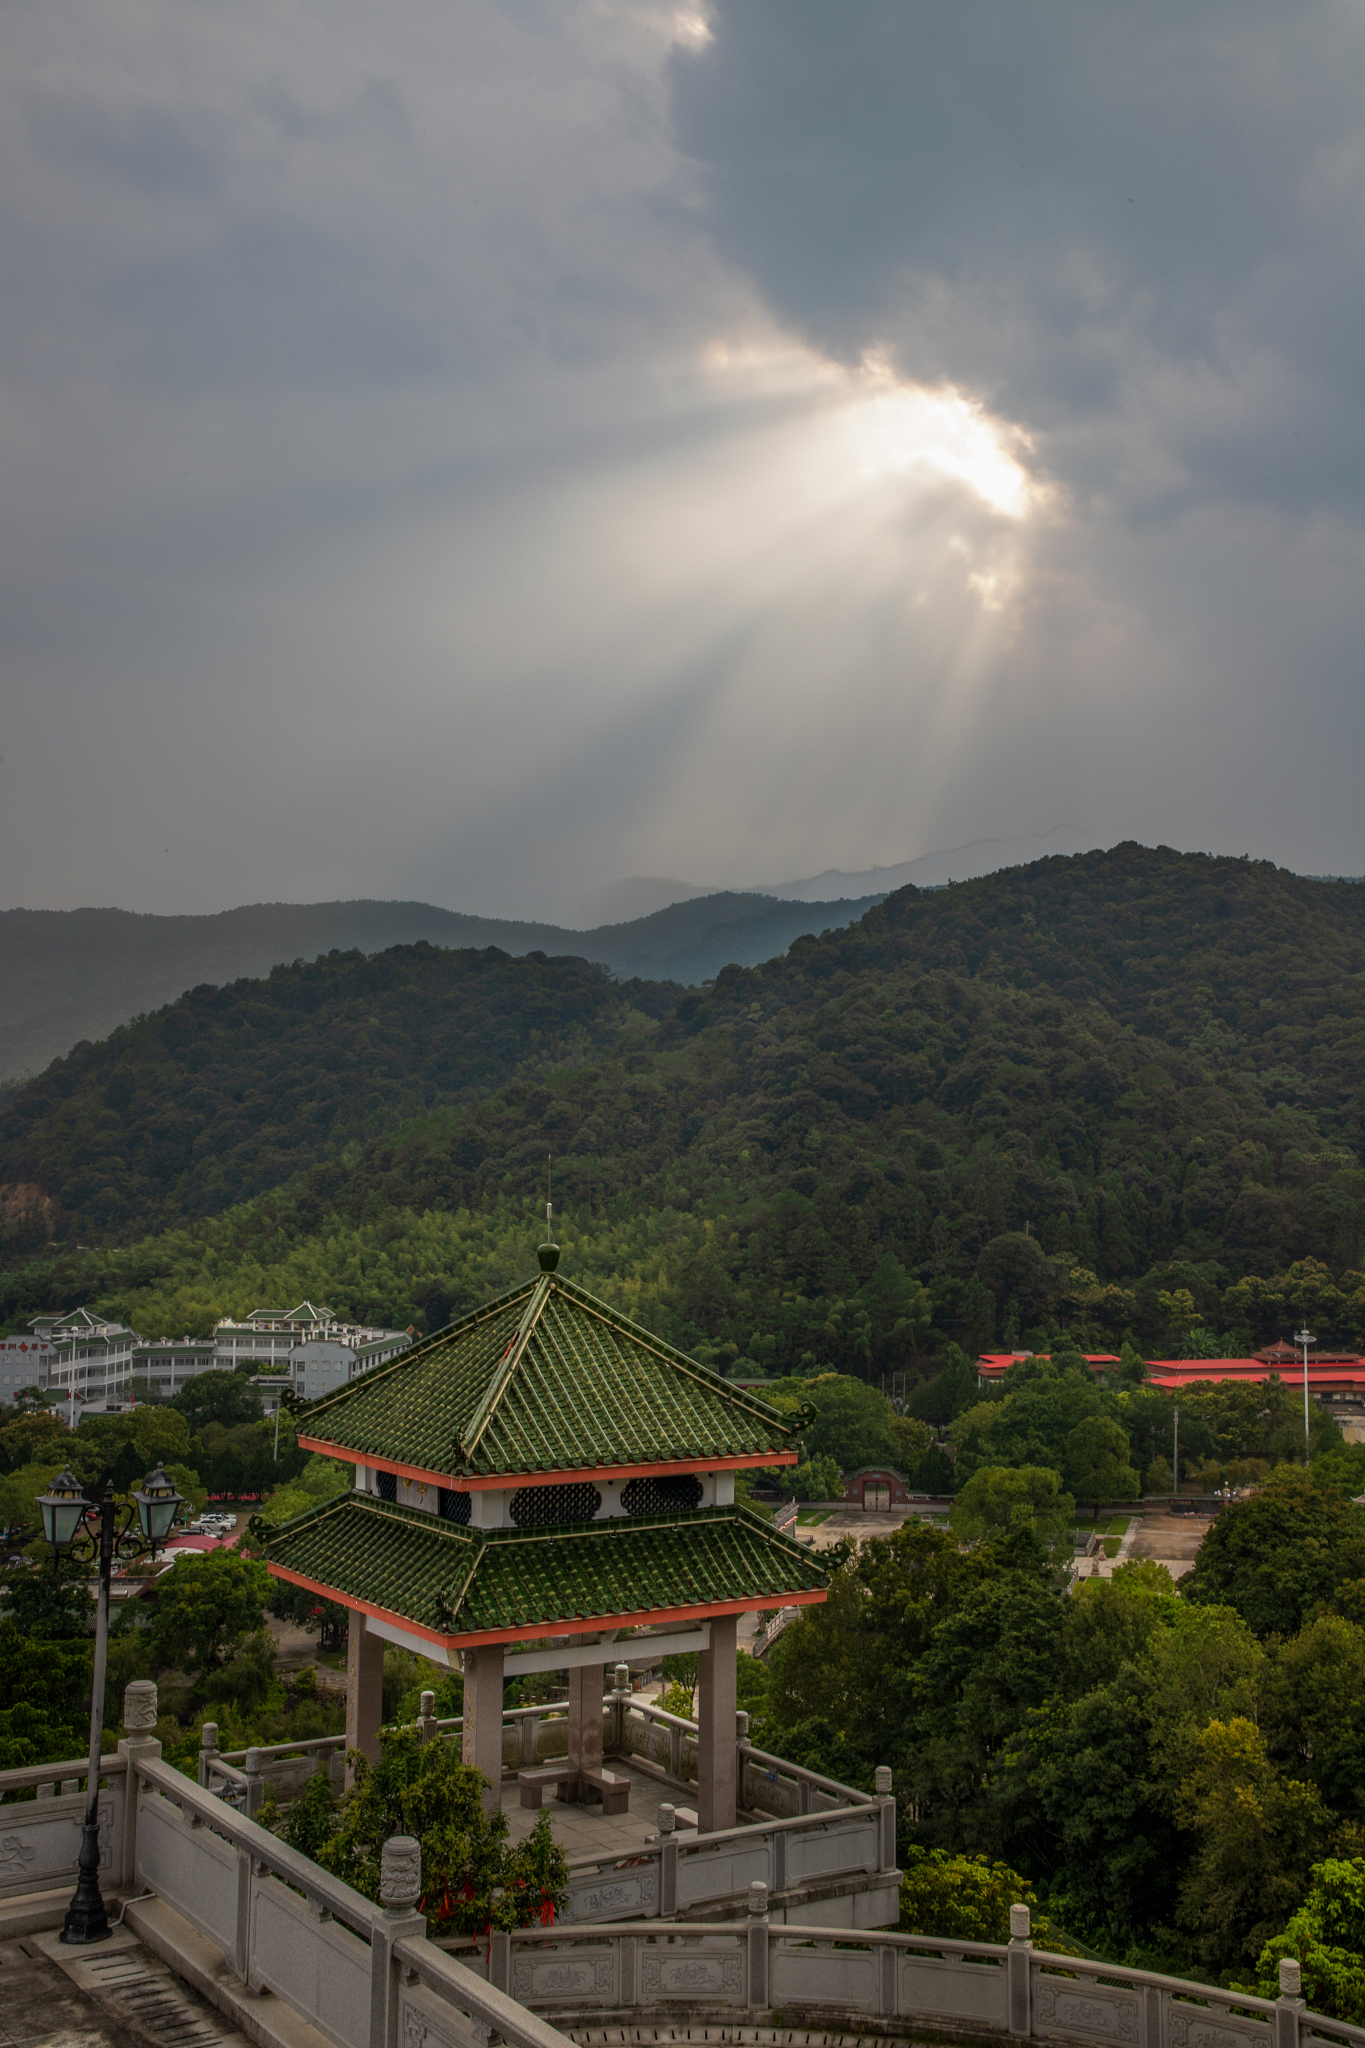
x: 91, y: 1356
x: 272, y: 1337
x: 169, y: 1363
x: 91, y: 1361
x: 24, y: 1362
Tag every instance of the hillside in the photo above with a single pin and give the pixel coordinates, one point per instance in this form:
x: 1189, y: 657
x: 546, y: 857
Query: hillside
x: 232, y: 1090
x: 70, y: 975
x: 1077, y: 1096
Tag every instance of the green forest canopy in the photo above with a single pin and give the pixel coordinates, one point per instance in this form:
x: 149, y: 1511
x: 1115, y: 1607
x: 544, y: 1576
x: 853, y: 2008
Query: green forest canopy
x: 1115, y: 1096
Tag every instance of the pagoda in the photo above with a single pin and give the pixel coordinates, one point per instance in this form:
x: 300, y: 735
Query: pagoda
x: 545, y: 1468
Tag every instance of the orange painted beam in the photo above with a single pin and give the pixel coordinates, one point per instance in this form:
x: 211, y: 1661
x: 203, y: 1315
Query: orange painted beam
x: 535, y: 1631
x: 507, y: 1482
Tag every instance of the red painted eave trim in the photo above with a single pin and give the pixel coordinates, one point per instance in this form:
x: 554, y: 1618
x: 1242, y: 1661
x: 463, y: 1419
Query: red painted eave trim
x: 503, y: 1482
x: 552, y: 1625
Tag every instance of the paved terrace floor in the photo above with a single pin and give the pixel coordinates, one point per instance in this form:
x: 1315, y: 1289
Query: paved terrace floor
x: 584, y: 1830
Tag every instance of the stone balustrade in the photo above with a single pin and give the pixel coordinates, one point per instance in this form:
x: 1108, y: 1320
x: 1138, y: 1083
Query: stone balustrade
x: 366, y: 1976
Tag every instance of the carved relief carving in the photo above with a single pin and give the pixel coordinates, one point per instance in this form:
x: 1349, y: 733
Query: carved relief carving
x: 1112, y: 2015
x: 1191, y: 2028
x: 664, y: 1976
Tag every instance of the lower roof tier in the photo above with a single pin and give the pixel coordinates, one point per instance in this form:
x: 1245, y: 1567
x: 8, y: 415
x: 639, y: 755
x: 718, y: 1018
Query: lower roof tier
x: 461, y: 1587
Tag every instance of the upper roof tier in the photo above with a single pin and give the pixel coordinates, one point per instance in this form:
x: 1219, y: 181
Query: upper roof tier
x: 544, y: 1380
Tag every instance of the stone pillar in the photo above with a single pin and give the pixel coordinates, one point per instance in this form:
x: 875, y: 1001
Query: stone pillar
x: 586, y: 1682
x: 717, y: 1753
x: 138, y: 1745
x: 364, y: 1689
x: 481, y: 1740
x: 400, y: 1888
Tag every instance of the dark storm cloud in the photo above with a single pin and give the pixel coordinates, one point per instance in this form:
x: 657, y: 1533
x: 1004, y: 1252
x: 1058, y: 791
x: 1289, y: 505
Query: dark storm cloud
x: 1069, y: 209
x: 464, y: 450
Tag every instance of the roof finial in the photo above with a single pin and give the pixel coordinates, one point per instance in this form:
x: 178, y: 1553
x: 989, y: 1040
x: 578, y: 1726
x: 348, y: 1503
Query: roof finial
x: 548, y: 1253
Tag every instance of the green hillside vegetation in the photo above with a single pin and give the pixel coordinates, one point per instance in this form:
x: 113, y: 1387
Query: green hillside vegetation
x: 1074, y: 1100
x: 70, y: 975
x: 231, y: 1090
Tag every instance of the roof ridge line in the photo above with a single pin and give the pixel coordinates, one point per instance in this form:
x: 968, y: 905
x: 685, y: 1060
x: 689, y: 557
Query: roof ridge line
x: 679, y: 1360
x: 377, y: 1373
x: 483, y: 1414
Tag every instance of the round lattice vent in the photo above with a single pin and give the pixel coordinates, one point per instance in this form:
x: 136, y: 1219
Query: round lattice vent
x: 538, y: 1507
x: 661, y: 1496
x: 455, y: 1506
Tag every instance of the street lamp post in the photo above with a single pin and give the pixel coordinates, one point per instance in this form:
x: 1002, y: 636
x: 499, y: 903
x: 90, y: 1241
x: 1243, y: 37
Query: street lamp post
x: 101, y: 1530
x: 1305, y: 1337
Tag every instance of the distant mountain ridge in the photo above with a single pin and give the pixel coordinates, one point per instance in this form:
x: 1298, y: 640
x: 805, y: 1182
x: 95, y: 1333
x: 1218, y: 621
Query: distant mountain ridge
x: 69, y: 975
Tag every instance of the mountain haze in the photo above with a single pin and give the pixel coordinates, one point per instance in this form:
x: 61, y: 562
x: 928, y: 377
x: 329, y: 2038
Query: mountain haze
x: 70, y: 975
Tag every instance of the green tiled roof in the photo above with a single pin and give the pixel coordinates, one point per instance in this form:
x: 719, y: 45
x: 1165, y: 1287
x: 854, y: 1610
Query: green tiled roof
x: 545, y: 1379
x: 469, y: 1581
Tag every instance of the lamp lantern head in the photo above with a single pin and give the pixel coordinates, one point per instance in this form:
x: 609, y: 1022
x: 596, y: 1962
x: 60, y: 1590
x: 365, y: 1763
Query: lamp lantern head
x: 158, y: 1503
x: 63, y: 1507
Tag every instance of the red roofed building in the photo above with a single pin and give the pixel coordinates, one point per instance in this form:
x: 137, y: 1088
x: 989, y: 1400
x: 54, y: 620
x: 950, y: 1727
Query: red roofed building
x: 993, y: 1365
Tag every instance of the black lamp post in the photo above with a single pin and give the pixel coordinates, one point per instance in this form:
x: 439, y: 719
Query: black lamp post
x: 102, y: 1529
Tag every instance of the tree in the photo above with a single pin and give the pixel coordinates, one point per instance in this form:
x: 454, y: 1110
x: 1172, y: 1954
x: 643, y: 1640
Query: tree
x: 1096, y: 1467
x: 206, y: 1606
x: 1015, y: 1268
x: 1327, y: 1936
x: 1312, y: 1707
x: 813, y: 1479
x: 471, y: 1877
x: 44, y: 1687
x: 913, y: 1439
x: 1000, y: 1498
x: 32, y: 1438
x: 224, y: 1397
x: 852, y: 1424
x: 1281, y: 1554
x: 968, y: 1898
x: 1257, y: 1833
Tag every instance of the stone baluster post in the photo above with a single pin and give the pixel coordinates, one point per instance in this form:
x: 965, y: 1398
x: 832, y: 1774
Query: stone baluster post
x: 1018, y: 1965
x: 426, y: 1718
x: 668, y: 1861
x: 887, y: 1801
x: 741, y: 1744
x: 254, y: 1767
x: 138, y: 1745
x: 208, y: 1749
x: 620, y: 1699
x: 400, y: 1888
x: 1291, y: 2004
x: 758, y: 1946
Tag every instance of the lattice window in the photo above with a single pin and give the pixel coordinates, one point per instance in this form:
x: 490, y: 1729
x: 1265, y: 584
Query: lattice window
x: 455, y: 1506
x: 538, y: 1507
x: 386, y: 1485
x: 662, y: 1495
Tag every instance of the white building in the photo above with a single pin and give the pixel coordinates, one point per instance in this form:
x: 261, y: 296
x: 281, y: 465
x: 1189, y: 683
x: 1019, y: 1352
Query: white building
x: 169, y: 1363
x: 24, y: 1362
x: 90, y: 1360
x: 270, y: 1336
x: 91, y: 1356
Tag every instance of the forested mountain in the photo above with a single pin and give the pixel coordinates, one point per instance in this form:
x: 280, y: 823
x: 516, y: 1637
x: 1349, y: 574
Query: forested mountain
x: 70, y: 975
x: 1115, y: 1094
x: 232, y: 1090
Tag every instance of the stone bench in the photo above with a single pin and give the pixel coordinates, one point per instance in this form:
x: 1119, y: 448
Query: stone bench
x: 612, y: 1789
x: 562, y: 1779
x: 568, y: 1783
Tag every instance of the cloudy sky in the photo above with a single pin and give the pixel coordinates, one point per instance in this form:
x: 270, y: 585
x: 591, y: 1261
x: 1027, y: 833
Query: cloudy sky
x: 480, y: 451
